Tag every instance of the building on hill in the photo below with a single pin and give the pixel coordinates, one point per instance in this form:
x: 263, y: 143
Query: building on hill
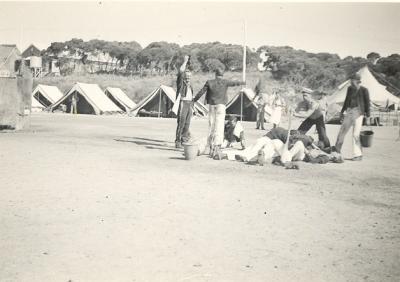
x: 15, y: 84
x: 9, y: 60
x: 78, y: 61
x: 32, y: 50
x: 33, y: 59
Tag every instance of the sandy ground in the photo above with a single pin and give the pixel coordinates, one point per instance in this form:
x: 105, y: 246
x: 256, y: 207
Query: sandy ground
x: 88, y: 198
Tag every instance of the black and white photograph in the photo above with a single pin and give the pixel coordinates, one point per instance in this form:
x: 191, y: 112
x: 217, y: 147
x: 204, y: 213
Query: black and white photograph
x: 194, y: 141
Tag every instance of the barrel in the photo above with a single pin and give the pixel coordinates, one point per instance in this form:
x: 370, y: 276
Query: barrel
x: 191, y: 151
x: 366, y: 137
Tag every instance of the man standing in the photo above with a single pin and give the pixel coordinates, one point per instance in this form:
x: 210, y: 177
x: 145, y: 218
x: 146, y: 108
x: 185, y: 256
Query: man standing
x: 185, y: 110
x: 216, y: 97
x: 276, y: 104
x: 74, y: 103
x: 267, y: 64
x: 356, y: 105
x: 262, y: 100
x: 315, y: 115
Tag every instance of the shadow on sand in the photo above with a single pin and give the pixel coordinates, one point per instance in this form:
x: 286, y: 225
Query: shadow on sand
x: 152, y: 144
x: 177, y: 158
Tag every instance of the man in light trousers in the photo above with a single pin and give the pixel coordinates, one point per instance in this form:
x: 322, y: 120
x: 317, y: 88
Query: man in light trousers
x: 216, y: 97
x: 356, y: 106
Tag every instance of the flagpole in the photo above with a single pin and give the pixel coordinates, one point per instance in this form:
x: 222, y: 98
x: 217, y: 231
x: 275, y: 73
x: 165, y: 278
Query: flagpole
x: 244, y: 69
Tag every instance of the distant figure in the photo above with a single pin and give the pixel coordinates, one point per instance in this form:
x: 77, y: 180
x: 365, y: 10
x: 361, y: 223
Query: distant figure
x: 74, y: 103
x: 261, y: 98
x: 355, y: 107
x: 233, y: 133
x: 216, y: 97
x: 276, y: 104
x: 185, y: 110
x: 314, y: 113
x: 267, y: 63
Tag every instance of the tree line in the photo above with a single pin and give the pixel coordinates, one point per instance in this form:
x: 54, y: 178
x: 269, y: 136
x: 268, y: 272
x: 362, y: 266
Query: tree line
x: 322, y: 71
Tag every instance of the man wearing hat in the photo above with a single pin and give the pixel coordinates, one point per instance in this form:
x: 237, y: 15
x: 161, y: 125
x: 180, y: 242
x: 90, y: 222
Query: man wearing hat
x: 216, y: 97
x: 355, y: 107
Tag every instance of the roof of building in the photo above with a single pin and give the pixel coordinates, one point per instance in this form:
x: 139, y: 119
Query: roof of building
x: 32, y: 50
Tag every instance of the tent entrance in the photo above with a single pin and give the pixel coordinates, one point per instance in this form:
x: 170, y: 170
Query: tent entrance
x: 116, y: 102
x: 83, y: 106
x: 249, y: 111
x: 159, y: 106
x: 42, y: 99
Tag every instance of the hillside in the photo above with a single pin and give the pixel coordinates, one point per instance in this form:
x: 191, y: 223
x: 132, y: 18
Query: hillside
x: 138, y: 71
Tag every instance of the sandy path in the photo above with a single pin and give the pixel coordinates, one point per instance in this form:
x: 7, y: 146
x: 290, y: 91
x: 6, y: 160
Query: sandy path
x: 89, y: 198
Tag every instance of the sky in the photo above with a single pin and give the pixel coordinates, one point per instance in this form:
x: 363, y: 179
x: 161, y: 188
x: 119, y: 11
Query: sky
x: 354, y: 29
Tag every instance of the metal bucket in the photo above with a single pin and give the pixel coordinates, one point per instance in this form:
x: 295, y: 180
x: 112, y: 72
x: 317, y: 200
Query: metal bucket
x: 191, y: 151
x: 366, y: 137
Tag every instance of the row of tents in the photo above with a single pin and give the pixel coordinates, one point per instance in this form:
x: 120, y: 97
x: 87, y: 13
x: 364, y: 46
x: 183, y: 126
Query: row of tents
x: 159, y: 103
x: 92, y: 100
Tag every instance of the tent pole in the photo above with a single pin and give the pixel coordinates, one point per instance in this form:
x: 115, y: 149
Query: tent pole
x: 159, y: 102
x: 244, y: 52
x: 244, y: 69
x: 241, y: 106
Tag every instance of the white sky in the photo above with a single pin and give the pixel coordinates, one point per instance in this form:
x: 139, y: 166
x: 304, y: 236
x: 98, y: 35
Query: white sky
x: 343, y: 28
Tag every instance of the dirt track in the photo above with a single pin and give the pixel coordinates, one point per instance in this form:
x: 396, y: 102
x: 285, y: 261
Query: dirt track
x: 88, y: 198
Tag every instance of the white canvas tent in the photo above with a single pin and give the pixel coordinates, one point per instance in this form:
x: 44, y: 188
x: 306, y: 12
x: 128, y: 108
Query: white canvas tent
x: 46, y: 95
x: 120, y: 98
x: 242, y: 105
x: 379, y: 96
x: 159, y: 103
x: 91, y: 100
x: 36, y: 106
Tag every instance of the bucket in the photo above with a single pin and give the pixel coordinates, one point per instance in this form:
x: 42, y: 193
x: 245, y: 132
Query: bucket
x: 366, y: 138
x: 191, y: 151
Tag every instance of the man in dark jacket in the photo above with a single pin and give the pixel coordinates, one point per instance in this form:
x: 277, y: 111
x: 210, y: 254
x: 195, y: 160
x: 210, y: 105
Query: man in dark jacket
x: 356, y: 106
x: 185, y: 110
x: 216, y: 97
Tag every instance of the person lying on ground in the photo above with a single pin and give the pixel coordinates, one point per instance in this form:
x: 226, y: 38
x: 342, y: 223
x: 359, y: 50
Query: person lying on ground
x: 233, y: 133
x: 314, y: 114
x: 298, y: 152
x: 272, y: 142
x: 297, y: 149
x: 315, y: 155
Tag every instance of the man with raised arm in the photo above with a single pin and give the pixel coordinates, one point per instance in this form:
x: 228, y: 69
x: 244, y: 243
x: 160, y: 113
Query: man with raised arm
x: 216, y: 96
x: 184, y: 89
